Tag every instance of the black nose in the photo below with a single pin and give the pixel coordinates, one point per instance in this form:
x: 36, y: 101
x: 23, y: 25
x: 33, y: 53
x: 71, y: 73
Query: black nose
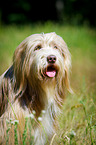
x: 51, y: 59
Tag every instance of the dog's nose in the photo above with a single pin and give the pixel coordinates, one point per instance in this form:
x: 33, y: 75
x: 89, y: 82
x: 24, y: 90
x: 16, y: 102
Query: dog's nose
x: 51, y: 59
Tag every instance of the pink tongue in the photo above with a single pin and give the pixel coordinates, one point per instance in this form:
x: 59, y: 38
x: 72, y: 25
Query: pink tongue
x: 51, y: 73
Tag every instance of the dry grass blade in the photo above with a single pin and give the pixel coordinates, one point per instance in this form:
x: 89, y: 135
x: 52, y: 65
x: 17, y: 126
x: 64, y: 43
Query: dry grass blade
x: 53, y: 139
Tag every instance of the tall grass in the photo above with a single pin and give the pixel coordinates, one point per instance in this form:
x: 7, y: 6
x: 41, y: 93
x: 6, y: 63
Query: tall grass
x: 78, y: 119
x: 77, y: 123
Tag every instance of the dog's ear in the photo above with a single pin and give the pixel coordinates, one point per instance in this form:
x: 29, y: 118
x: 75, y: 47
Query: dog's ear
x: 67, y: 63
x: 67, y: 82
x: 63, y: 83
x: 67, y: 67
x: 18, y: 64
x: 63, y: 78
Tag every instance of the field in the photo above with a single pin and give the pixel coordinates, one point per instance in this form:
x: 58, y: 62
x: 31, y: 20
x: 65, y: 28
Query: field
x: 77, y: 123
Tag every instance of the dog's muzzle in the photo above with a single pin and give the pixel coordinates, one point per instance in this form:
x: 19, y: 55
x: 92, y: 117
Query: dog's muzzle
x: 51, y: 69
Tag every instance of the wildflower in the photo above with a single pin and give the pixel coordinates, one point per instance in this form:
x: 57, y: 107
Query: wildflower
x: 30, y: 116
x: 72, y: 134
x: 43, y: 111
x: 14, y: 122
x: 39, y: 118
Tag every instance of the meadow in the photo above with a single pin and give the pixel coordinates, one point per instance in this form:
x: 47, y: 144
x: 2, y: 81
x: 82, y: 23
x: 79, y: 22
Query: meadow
x: 77, y: 122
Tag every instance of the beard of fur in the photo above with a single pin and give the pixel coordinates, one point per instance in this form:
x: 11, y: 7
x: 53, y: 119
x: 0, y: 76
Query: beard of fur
x: 28, y: 79
x: 36, y: 78
x: 31, y: 85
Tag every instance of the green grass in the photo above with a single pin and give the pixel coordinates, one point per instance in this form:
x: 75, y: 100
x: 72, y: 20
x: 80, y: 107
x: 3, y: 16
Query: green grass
x: 78, y: 119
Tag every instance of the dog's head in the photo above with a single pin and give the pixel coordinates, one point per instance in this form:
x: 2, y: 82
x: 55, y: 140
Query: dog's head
x: 42, y: 57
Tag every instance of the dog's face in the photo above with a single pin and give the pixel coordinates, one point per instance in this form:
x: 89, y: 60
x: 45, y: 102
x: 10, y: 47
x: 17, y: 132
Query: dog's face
x: 43, y: 57
x: 46, y: 59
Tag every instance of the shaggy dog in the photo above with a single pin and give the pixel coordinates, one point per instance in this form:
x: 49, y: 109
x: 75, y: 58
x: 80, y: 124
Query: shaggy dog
x: 36, y: 81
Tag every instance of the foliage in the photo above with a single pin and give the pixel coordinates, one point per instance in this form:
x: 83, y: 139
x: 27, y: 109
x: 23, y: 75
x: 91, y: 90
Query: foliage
x: 77, y: 122
x: 68, y: 11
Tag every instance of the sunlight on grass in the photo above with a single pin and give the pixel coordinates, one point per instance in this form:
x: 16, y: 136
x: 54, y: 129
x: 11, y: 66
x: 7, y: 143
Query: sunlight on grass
x: 78, y: 119
x: 77, y: 123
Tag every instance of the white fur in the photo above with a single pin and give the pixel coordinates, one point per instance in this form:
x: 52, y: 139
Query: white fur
x: 45, y: 132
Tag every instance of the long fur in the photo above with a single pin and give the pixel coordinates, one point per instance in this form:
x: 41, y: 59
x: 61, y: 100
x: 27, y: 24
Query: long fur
x: 24, y: 87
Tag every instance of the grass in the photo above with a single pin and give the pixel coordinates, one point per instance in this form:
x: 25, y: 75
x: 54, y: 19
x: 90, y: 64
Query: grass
x: 78, y: 119
x: 77, y: 123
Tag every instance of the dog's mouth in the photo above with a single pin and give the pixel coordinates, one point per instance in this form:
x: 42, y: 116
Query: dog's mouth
x: 50, y: 71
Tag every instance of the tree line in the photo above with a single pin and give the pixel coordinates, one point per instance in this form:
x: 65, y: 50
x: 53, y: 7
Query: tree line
x: 67, y: 11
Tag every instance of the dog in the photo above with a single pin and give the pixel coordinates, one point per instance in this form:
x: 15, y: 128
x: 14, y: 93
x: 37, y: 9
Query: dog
x: 36, y: 81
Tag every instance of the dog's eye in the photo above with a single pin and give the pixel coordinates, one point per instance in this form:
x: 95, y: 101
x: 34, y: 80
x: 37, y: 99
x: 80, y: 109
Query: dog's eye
x: 55, y: 47
x: 38, y: 47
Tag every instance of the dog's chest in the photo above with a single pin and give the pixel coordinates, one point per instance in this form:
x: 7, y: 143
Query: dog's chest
x: 49, y: 89
x: 45, y: 133
x: 50, y: 109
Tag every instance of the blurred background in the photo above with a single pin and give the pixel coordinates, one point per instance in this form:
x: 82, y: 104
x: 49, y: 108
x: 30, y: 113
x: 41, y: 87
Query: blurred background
x: 68, y: 11
x: 75, y: 21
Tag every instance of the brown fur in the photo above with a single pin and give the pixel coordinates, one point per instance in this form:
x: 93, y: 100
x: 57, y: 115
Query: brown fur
x: 24, y: 87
